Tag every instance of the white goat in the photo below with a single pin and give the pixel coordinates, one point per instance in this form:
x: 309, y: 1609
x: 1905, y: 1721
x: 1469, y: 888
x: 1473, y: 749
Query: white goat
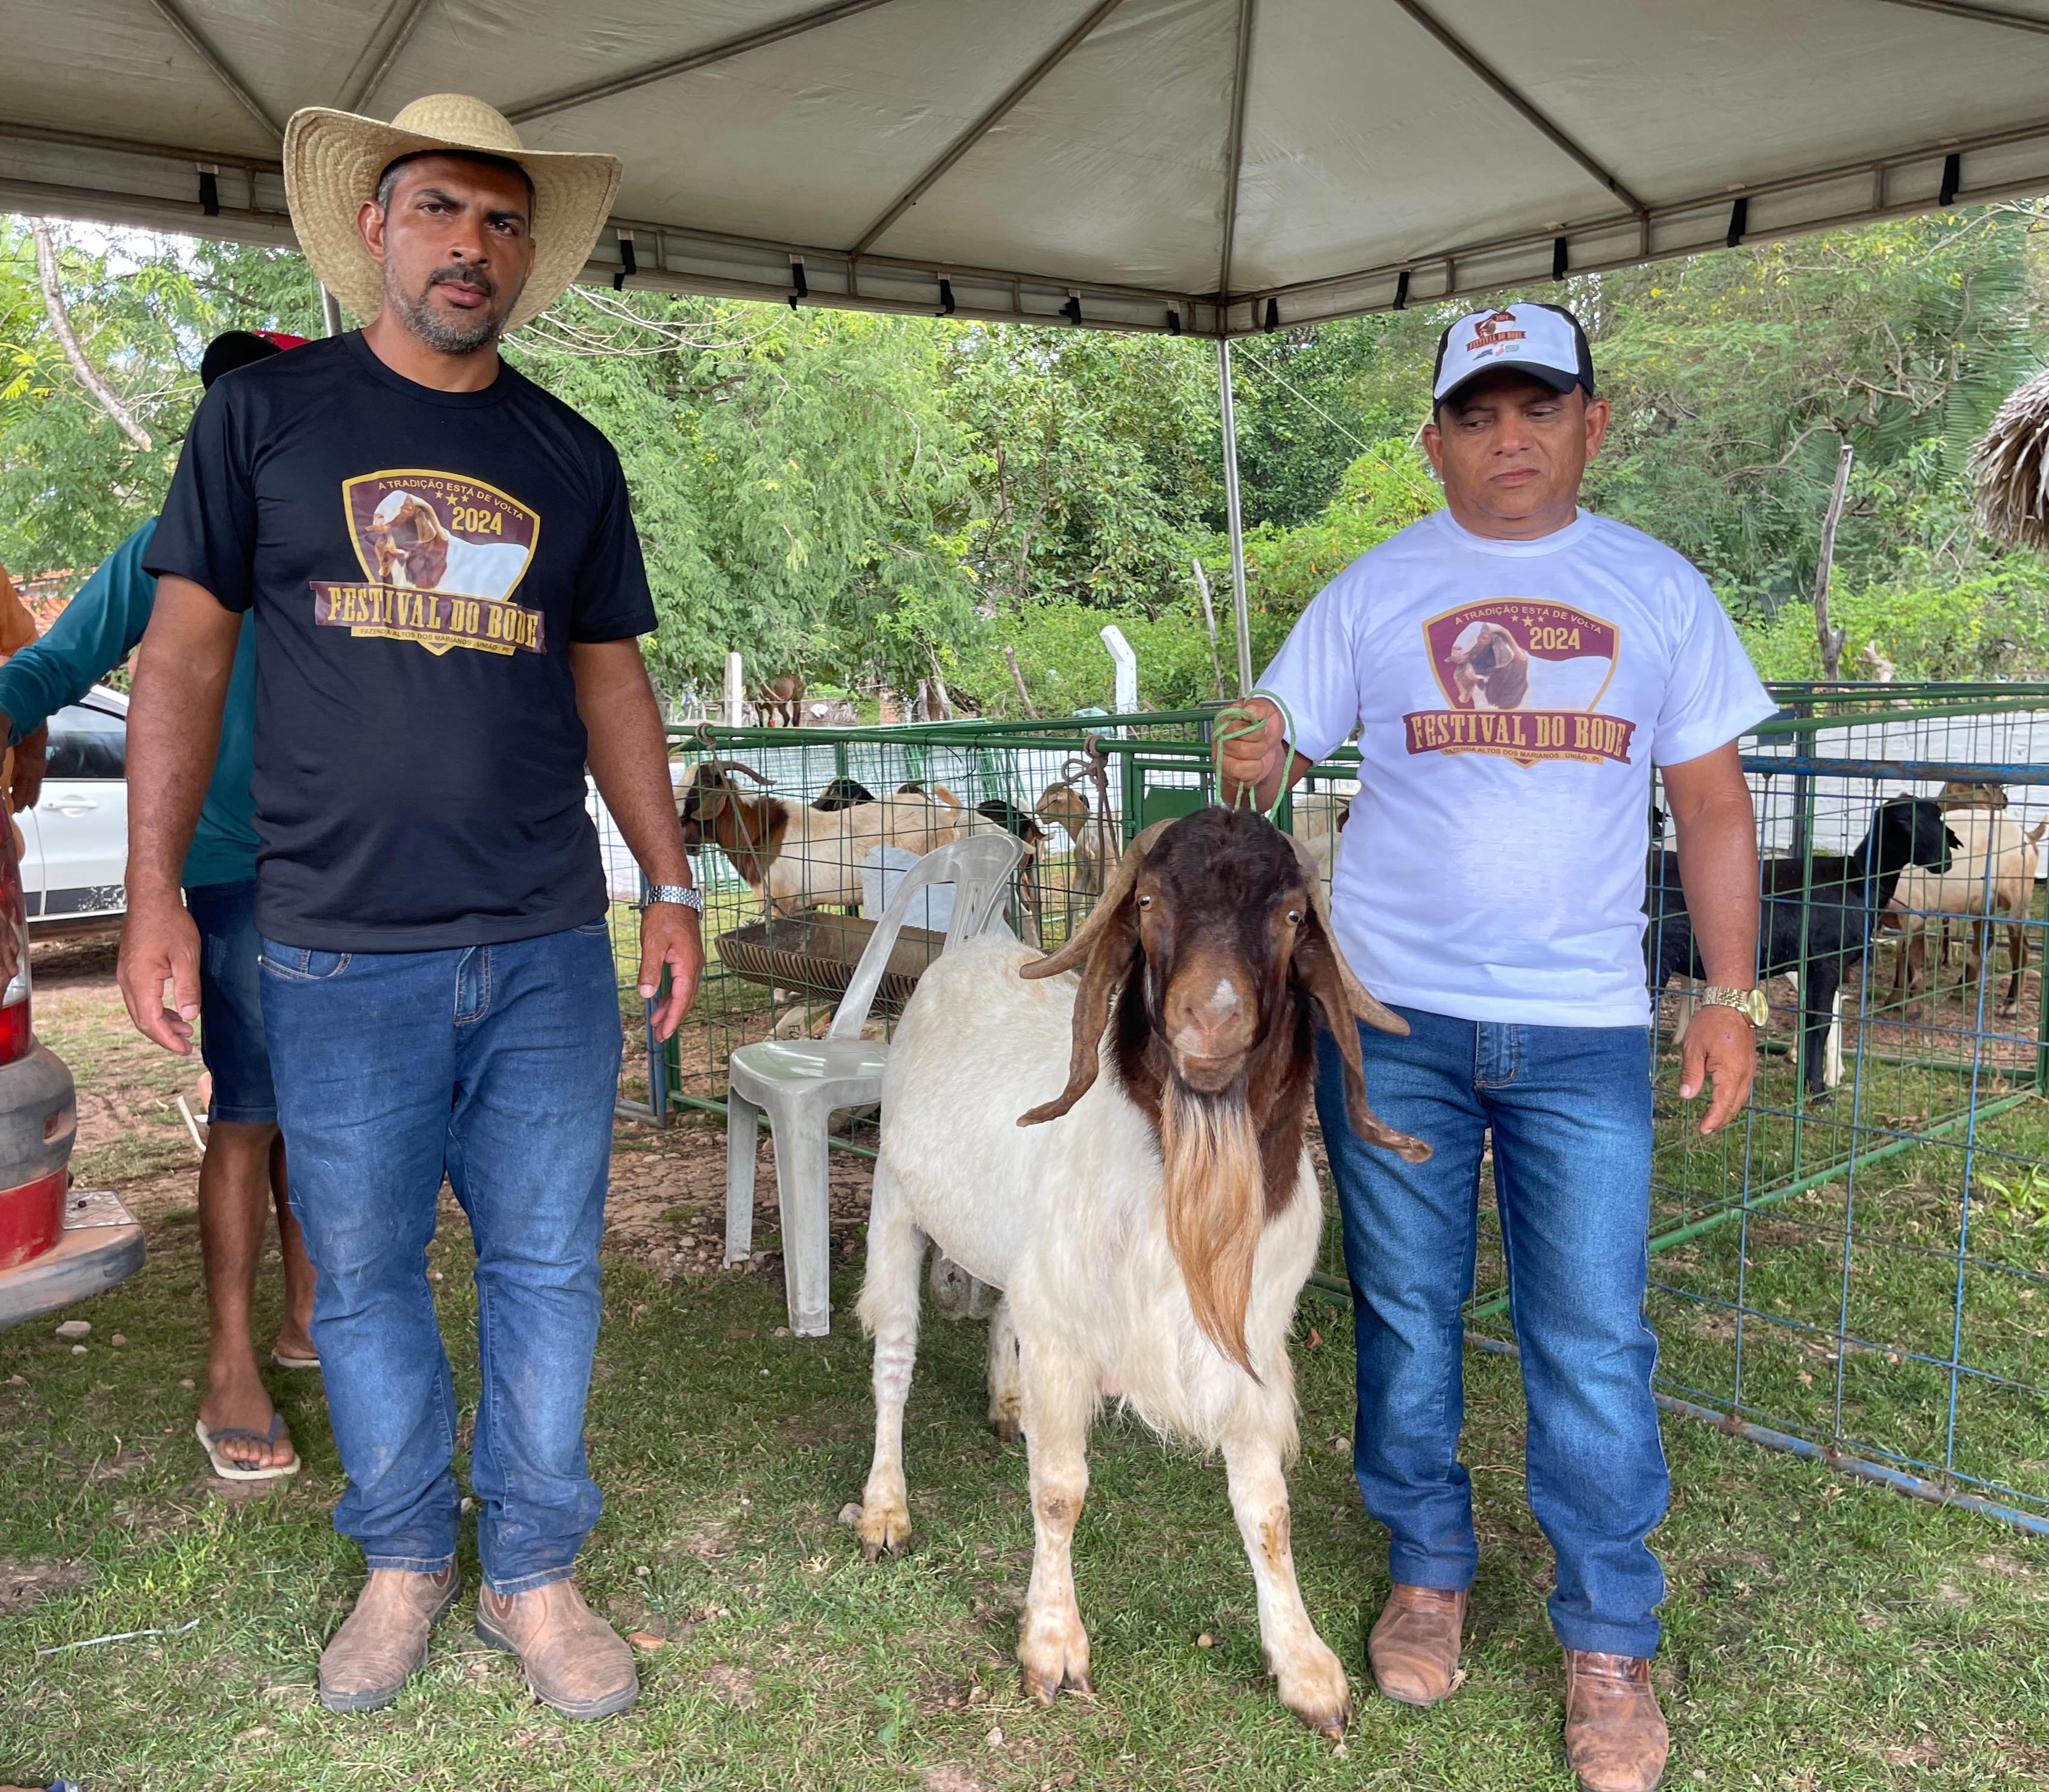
x: 1151, y: 1238
x: 1990, y: 879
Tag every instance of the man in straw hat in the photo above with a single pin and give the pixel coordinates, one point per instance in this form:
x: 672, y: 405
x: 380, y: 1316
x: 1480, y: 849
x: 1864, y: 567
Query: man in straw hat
x: 447, y: 589
x: 1513, y: 667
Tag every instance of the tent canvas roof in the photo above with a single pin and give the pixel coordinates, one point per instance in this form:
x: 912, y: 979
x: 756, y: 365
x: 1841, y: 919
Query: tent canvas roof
x: 1144, y: 164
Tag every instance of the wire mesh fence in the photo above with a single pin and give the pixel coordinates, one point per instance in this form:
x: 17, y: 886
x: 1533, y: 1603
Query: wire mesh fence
x: 1857, y: 1268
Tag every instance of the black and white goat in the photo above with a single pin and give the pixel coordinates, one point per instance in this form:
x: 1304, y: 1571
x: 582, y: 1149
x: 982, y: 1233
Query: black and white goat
x: 1815, y: 925
x: 1153, y: 1223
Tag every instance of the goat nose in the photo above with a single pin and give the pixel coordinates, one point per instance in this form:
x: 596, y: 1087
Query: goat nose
x: 1208, y: 1023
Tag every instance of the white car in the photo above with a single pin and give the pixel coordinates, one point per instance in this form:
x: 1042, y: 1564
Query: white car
x: 75, y: 841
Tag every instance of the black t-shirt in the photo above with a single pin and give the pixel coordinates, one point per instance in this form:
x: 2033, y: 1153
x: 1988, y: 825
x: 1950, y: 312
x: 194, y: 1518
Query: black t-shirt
x: 418, y: 562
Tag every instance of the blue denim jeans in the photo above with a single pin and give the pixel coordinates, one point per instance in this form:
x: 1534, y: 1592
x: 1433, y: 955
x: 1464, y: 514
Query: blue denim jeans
x: 1570, y: 1111
x: 231, y: 1007
x: 497, y: 1065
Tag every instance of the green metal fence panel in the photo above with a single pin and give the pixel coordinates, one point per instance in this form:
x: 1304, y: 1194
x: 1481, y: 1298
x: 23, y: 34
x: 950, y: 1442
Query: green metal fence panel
x: 1865, y: 1273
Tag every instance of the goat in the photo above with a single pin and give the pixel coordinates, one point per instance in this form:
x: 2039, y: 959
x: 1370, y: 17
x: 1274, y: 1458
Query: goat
x: 843, y: 793
x: 780, y: 701
x: 1817, y: 938
x: 798, y: 857
x: 1990, y: 879
x: 1957, y: 794
x: 415, y: 548
x: 1151, y: 1227
x: 1317, y: 818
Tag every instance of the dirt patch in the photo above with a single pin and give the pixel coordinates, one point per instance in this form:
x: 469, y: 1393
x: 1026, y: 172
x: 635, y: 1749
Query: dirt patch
x: 667, y: 1207
x: 22, y: 1586
x: 950, y: 1776
x: 732, y: 1685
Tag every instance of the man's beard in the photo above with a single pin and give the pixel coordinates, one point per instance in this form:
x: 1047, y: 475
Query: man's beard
x: 447, y: 333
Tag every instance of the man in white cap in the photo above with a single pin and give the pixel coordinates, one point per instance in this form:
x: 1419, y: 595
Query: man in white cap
x: 434, y: 673
x: 1513, y: 667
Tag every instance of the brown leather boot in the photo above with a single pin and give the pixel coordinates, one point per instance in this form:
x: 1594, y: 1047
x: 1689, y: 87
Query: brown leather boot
x: 385, y: 1638
x: 1615, y: 1737
x: 1414, y: 1646
x: 575, y: 1663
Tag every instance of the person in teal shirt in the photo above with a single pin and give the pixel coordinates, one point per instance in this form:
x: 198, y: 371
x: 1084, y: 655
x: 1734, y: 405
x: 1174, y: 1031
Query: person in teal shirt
x: 242, y: 1173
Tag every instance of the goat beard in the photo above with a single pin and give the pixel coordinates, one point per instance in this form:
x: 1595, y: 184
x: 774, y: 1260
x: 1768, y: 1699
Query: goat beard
x: 1215, y: 1197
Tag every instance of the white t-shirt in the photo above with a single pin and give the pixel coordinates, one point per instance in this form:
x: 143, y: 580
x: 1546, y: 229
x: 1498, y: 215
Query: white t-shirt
x: 1510, y: 698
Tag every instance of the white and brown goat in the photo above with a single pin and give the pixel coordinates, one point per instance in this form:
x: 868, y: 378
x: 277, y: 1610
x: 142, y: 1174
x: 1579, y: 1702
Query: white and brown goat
x: 1153, y: 1225
x: 797, y: 857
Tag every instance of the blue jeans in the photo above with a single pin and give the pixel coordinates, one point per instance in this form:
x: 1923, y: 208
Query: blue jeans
x: 497, y: 1065
x: 231, y: 1007
x: 1570, y: 1111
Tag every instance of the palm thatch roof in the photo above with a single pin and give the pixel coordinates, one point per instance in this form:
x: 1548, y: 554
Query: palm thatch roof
x: 2010, y: 468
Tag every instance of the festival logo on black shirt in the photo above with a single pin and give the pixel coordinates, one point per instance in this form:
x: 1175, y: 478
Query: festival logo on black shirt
x: 1522, y: 675
x: 442, y: 555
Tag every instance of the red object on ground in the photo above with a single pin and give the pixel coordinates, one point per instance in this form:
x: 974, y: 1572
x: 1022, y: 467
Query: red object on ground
x: 31, y: 1218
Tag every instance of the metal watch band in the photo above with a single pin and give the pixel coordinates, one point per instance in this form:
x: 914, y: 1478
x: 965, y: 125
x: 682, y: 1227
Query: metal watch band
x: 1749, y: 1003
x: 681, y: 893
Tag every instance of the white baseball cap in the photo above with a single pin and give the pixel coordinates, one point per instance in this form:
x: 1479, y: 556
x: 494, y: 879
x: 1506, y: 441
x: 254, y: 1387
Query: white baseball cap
x: 1545, y: 341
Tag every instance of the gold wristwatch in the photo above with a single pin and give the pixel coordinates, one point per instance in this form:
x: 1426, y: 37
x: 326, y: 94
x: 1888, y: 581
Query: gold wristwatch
x: 1749, y: 1003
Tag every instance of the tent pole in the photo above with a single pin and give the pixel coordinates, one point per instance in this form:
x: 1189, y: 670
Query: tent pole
x: 1241, y: 617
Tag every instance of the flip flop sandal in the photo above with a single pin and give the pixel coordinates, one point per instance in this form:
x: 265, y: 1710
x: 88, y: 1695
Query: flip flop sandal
x: 229, y: 1469
x: 284, y: 1362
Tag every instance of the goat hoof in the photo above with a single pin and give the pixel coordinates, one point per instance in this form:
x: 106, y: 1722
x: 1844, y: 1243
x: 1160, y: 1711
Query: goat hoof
x: 1007, y: 1430
x: 883, y: 1531
x: 1316, y: 1690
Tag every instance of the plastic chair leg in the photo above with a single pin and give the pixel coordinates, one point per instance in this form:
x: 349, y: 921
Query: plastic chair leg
x: 743, y: 1138
x: 799, y: 1129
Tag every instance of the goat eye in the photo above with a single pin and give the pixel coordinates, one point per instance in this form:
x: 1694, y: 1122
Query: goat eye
x: 1294, y: 917
x: 1146, y: 902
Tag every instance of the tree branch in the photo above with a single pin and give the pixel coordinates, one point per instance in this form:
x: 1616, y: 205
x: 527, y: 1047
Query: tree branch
x: 1831, y: 639
x: 46, y: 271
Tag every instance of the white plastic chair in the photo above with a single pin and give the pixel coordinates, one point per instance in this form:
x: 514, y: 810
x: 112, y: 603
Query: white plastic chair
x: 801, y: 1083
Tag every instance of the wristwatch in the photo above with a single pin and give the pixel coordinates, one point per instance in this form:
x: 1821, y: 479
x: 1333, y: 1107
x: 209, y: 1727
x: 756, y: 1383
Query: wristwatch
x: 1749, y: 1003
x: 680, y: 893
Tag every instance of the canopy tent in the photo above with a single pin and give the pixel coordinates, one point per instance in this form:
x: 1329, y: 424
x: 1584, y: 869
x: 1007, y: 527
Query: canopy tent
x: 1209, y: 166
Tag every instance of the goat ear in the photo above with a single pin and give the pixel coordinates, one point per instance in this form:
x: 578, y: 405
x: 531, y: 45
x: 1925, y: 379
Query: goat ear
x: 1321, y: 969
x: 1360, y: 1000
x: 1081, y: 942
x: 1114, y: 947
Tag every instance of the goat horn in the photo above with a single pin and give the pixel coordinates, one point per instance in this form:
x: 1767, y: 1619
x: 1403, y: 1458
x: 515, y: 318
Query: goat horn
x: 1364, y: 1004
x: 1082, y: 941
x: 722, y: 765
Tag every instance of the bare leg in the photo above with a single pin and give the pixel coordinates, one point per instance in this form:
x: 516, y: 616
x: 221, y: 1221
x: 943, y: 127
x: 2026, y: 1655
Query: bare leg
x: 888, y: 1309
x: 294, y: 1331
x: 1311, y: 1679
x: 1059, y: 1401
x: 1005, y: 1394
x: 2016, y: 946
x: 234, y: 1205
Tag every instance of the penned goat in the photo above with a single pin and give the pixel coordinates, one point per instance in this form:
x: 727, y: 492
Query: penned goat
x: 1152, y: 1224
x: 795, y: 856
x: 1819, y: 917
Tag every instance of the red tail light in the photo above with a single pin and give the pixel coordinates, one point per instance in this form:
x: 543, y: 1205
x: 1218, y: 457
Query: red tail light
x: 16, y: 1034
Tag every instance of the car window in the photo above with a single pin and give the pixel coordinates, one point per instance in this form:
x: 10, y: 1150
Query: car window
x: 87, y: 744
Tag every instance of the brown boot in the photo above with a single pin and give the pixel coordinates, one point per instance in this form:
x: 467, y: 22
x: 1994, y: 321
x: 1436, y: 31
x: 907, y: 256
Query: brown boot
x: 385, y: 1638
x: 575, y: 1661
x: 1615, y: 1737
x: 1414, y: 1646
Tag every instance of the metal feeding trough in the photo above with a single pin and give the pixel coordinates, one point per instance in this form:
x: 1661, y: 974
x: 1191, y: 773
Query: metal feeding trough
x: 814, y: 953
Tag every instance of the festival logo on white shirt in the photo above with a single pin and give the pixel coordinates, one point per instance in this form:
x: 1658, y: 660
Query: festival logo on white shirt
x: 1522, y: 676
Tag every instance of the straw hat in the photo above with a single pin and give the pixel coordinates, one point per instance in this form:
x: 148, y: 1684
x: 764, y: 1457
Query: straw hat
x: 333, y: 160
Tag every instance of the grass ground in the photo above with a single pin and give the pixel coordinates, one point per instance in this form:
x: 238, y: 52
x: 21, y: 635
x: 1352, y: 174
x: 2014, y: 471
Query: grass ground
x: 1823, y: 1636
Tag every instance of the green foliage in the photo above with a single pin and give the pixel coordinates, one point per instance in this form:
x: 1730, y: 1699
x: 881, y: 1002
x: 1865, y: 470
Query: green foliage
x: 873, y: 501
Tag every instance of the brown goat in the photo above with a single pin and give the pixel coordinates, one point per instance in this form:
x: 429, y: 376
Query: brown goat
x: 781, y: 701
